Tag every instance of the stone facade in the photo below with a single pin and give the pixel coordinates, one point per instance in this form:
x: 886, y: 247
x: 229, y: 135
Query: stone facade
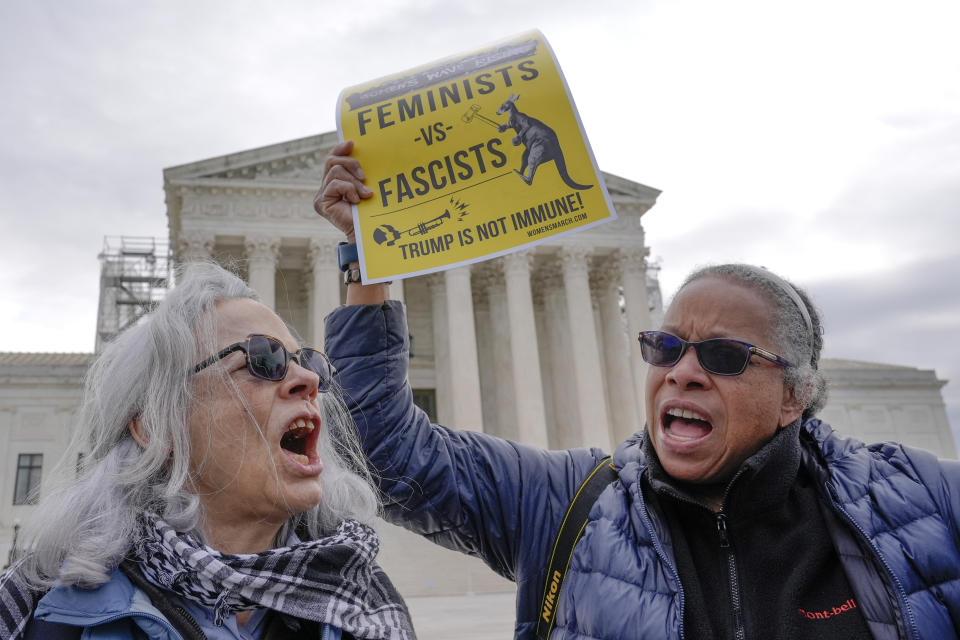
x: 878, y: 402
x: 39, y: 397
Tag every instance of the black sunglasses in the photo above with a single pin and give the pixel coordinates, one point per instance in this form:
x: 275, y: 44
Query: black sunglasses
x: 722, y: 356
x: 267, y: 358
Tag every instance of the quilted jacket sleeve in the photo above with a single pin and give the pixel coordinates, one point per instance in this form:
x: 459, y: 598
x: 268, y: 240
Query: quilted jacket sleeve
x: 464, y: 490
x: 942, y: 479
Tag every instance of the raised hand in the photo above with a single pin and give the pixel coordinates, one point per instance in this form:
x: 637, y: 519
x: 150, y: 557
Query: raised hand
x: 342, y: 186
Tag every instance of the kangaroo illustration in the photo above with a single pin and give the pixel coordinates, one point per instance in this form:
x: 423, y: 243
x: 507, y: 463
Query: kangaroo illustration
x: 540, y: 143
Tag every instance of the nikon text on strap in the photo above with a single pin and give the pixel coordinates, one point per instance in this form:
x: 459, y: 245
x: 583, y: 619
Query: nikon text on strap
x: 570, y: 531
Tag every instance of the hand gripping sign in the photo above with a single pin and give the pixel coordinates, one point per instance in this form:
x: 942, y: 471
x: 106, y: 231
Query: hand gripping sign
x: 469, y: 158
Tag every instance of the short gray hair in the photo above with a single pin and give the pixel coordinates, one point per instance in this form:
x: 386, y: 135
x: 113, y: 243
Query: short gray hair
x: 799, y: 343
x: 87, y: 523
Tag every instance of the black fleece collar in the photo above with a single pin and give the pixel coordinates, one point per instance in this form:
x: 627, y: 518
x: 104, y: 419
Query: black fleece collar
x: 762, y: 481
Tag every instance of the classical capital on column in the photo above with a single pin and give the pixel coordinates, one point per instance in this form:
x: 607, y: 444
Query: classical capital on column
x: 436, y: 283
x: 538, y: 285
x: 518, y: 262
x: 262, y: 248
x: 574, y: 260
x: 547, y: 277
x: 306, y: 285
x: 631, y: 260
x: 484, y: 276
x: 604, y: 278
x: 194, y: 245
x: 321, y: 252
x: 496, y: 276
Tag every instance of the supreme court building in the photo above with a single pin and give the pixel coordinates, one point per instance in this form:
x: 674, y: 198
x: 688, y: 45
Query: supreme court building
x: 506, y: 346
x: 537, y: 346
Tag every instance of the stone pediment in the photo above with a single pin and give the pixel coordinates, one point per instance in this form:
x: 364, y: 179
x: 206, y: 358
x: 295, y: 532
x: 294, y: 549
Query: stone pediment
x: 19, y: 369
x: 621, y: 188
x: 857, y: 373
x: 841, y: 363
x: 279, y: 180
x: 292, y: 163
x: 302, y: 169
x: 301, y: 162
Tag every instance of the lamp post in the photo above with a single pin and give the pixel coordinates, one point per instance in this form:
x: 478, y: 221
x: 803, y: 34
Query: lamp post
x: 13, y: 544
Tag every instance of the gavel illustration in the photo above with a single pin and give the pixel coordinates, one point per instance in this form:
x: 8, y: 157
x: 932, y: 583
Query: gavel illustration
x: 474, y: 112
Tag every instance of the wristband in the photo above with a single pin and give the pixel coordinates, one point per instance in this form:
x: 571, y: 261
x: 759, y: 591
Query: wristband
x: 347, y: 253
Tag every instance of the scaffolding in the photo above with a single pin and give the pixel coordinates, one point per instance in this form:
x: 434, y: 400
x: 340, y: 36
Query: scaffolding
x: 135, y: 273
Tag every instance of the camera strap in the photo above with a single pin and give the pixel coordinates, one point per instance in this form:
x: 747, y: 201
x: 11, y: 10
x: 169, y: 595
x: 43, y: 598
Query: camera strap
x: 571, y: 529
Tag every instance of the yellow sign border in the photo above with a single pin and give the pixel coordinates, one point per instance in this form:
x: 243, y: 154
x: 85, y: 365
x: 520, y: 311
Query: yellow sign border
x: 450, y: 104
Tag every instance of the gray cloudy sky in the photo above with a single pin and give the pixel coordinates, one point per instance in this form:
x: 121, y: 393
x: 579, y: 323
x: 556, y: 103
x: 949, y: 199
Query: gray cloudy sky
x: 820, y: 139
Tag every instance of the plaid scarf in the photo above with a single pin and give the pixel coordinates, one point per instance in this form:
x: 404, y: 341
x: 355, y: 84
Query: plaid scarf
x: 332, y: 580
x: 17, y: 601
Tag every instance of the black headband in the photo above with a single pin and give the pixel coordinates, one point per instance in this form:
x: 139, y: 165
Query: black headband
x: 791, y: 293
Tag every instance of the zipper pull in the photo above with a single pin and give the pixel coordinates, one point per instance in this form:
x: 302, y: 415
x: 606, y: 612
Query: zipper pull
x: 722, y: 530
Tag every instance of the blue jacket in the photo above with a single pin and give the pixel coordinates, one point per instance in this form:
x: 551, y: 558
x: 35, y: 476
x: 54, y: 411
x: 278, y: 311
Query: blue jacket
x: 116, y: 610
x: 893, y: 511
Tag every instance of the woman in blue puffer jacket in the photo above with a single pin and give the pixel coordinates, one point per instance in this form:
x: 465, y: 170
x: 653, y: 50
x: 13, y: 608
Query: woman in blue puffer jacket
x: 734, y: 514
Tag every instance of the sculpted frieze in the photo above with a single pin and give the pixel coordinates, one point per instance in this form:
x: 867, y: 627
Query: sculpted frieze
x: 304, y: 168
x: 625, y: 222
x: 243, y: 206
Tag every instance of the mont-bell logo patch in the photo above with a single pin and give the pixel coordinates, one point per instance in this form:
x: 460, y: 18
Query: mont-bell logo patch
x: 826, y: 614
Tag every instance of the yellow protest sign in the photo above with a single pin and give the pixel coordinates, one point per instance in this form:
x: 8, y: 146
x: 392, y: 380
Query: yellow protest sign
x: 469, y: 158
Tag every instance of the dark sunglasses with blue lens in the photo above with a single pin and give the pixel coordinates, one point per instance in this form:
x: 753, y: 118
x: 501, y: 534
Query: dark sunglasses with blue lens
x: 722, y: 356
x: 267, y: 359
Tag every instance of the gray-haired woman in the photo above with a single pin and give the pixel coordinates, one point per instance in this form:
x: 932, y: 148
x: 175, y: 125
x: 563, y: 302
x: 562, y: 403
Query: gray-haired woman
x: 222, y: 493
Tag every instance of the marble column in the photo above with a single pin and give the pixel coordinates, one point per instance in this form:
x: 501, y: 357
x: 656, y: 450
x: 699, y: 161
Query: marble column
x: 527, y: 383
x: 587, y: 373
x: 489, y: 368
x: 543, y: 336
x: 441, y: 347
x: 618, y: 376
x: 558, y: 370
x: 500, y: 347
x: 464, y: 368
x: 262, y: 255
x: 195, y: 245
x: 324, y: 292
x: 633, y: 272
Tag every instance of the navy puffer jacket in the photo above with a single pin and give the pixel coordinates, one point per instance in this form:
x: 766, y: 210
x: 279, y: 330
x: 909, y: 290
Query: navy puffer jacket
x: 892, y: 510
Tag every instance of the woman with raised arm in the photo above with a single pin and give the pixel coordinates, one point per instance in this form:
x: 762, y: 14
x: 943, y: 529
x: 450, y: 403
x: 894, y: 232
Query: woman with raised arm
x: 222, y: 493
x: 735, y: 512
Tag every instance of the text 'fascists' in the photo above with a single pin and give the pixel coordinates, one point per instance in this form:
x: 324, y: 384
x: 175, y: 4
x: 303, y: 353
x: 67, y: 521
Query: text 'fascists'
x: 440, y: 173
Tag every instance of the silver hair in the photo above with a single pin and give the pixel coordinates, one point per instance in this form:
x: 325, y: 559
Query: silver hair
x: 799, y: 343
x: 88, y: 521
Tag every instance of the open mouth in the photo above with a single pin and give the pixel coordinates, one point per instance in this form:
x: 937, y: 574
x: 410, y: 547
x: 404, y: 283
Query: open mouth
x: 300, y: 440
x: 685, y: 425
